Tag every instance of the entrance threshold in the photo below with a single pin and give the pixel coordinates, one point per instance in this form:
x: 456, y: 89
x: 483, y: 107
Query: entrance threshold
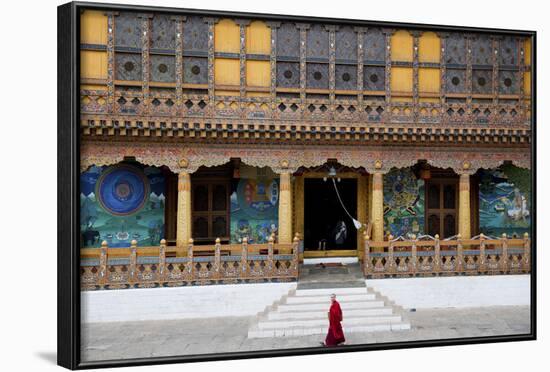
x: 330, y: 253
x: 326, y: 260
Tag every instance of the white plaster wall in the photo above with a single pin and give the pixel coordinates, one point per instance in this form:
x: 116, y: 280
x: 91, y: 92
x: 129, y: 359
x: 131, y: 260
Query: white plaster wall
x: 180, y: 302
x: 463, y: 291
x: 343, y: 260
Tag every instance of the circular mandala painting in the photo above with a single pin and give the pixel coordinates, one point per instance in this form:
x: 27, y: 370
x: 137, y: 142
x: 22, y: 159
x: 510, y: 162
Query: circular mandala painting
x: 122, y: 190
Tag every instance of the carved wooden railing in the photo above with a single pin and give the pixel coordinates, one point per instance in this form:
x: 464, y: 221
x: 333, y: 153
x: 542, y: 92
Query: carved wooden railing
x: 117, y: 268
x: 431, y: 256
x: 194, y: 106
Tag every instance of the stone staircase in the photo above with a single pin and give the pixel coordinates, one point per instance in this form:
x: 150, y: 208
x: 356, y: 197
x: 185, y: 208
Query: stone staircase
x: 304, y: 311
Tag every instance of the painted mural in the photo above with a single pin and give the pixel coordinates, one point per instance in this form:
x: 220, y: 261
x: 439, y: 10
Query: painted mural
x: 121, y: 203
x: 254, y: 207
x: 504, y: 201
x: 403, y: 203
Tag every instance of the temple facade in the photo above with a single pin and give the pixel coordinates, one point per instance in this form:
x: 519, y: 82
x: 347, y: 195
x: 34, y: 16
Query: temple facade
x: 228, y: 149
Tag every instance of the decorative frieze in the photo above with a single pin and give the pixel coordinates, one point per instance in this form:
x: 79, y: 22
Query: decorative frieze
x: 283, y: 159
x: 200, y: 130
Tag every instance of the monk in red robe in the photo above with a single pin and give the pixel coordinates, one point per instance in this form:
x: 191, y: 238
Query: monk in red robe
x: 335, y: 334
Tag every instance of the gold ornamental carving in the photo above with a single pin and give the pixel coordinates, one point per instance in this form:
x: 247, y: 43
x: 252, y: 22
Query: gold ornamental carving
x: 282, y: 159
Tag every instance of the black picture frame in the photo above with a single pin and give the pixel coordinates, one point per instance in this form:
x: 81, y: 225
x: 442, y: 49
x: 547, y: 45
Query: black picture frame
x: 68, y: 319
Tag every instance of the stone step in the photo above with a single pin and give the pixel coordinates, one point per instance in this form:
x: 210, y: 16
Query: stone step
x: 329, y: 291
x: 304, y: 311
x: 306, y: 331
x: 348, y: 321
x: 325, y: 299
x: 276, y: 315
x: 313, y: 284
x: 324, y: 306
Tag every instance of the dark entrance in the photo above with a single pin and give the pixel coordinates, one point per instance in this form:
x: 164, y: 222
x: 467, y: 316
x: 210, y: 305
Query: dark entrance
x: 324, y: 215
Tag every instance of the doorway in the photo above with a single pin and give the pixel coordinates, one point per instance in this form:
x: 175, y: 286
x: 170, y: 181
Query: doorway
x: 327, y: 227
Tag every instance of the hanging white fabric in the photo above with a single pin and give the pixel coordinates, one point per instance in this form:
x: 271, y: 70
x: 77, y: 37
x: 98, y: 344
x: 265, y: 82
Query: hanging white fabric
x: 356, y: 223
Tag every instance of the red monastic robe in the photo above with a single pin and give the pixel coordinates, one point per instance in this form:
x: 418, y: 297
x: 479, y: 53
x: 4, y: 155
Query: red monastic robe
x: 335, y: 334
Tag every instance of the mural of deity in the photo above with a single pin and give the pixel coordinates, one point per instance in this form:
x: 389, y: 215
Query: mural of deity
x: 254, y: 210
x: 504, y: 201
x: 403, y: 203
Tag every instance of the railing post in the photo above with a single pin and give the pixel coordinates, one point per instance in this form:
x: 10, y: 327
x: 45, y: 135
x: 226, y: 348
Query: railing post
x: 244, y: 258
x: 504, y: 256
x: 414, y: 255
x: 437, y: 256
x: 162, y: 262
x: 132, y: 277
x: 270, y: 271
x: 391, y: 263
x: 217, y: 259
x: 367, y: 264
x: 190, y: 264
x: 481, y: 267
x: 526, y: 252
x: 460, y: 255
x: 103, y: 264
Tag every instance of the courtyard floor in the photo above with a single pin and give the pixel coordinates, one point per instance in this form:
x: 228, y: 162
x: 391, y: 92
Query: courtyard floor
x: 124, y: 340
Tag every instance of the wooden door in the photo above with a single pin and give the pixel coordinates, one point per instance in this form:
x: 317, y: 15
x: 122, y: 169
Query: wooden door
x: 441, y: 207
x: 210, y: 206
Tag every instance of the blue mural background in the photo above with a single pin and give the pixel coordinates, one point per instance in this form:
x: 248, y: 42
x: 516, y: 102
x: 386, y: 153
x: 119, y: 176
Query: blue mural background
x: 122, y: 203
x: 254, y: 209
x: 504, y: 201
x: 403, y: 203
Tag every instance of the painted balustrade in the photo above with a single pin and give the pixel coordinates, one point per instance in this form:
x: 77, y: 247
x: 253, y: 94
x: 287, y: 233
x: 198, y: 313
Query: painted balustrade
x: 142, y: 267
x: 432, y: 256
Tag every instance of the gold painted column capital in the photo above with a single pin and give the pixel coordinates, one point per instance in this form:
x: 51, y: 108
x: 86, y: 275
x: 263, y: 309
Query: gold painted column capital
x: 464, y: 221
x: 184, y: 181
x: 183, y: 227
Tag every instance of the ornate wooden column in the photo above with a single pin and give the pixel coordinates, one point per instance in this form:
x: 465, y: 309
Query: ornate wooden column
x: 179, y: 62
x: 303, y: 27
x: 243, y: 23
x: 111, y: 61
x: 211, y: 21
x: 377, y: 210
x: 285, y: 209
x: 464, y: 222
x: 145, y: 58
x: 273, y: 63
x: 298, y: 204
x: 183, y: 228
x: 298, y: 207
x: 362, y: 212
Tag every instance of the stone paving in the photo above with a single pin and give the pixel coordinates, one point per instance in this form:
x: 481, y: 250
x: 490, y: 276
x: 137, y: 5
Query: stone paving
x: 121, y: 340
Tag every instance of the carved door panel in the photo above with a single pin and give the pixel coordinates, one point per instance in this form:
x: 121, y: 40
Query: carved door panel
x: 210, y: 201
x: 441, y: 207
